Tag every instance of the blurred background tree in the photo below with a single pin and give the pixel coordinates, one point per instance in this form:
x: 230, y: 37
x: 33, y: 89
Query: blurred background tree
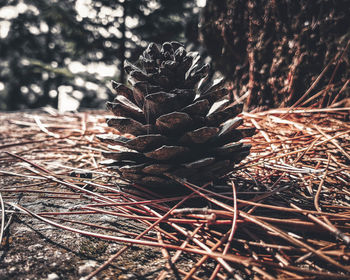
x: 52, y: 49
x: 270, y: 52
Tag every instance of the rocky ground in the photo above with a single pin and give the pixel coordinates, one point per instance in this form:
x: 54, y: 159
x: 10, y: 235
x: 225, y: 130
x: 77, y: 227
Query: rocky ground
x: 32, y: 249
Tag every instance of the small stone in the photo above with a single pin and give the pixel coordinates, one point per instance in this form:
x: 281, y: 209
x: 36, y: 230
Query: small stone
x: 127, y: 276
x: 87, y: 268
x: 112, y: 249
x: 35, y: 247
x: 53, y: 276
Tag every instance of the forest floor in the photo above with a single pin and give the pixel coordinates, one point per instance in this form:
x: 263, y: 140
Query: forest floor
x: 32, y: 249
x: 290, y: 218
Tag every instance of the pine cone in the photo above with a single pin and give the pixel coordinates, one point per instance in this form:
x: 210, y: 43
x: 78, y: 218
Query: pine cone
x: 174, y: 121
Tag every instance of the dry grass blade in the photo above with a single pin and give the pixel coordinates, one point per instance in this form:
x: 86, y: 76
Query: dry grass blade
x: 2, y: 226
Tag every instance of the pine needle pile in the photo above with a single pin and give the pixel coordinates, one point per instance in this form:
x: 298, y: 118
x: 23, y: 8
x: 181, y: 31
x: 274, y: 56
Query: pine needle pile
x: 283, y: 214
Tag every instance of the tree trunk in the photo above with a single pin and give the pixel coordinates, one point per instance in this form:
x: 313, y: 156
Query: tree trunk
x: 273, y: 51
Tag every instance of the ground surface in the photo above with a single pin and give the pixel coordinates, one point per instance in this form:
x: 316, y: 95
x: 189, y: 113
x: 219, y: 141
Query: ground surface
x: 32, y: 249
x: 301, y: 158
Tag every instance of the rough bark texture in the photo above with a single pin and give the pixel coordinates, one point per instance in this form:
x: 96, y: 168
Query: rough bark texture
x: 276, y: 49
